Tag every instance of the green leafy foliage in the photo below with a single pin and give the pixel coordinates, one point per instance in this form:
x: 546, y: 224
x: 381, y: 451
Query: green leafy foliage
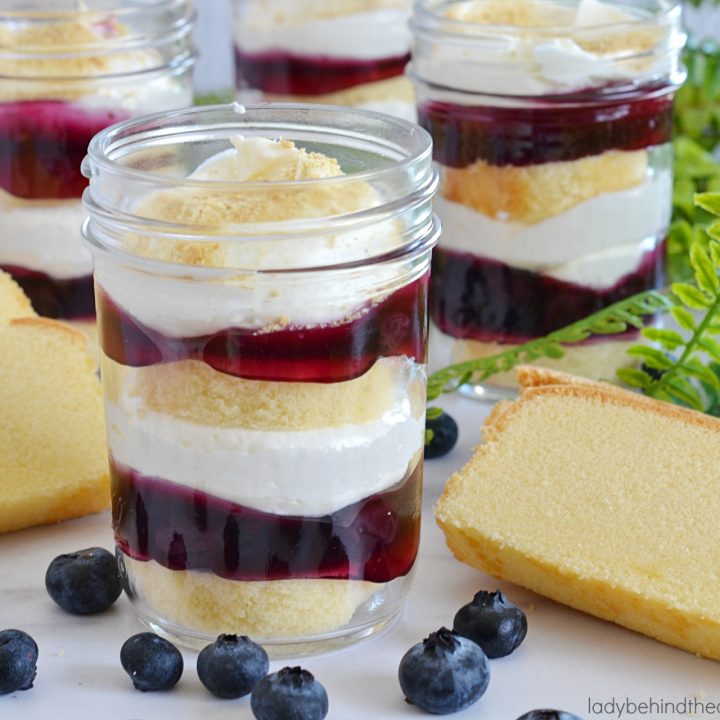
x: 617, y: 318
x: 697, y: 135
x: 683, y: 366
x: 695, y: 172
x: 697, y: 103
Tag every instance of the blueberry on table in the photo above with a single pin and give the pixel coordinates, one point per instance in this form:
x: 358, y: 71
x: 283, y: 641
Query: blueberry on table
x: 18, y: 661
x: 548, y: 715
x: 444, y: 673
x: 444, y: 436
x: 291, y: 693
x: 232, y: 666
x: 493, y: 622
x: 152, y: 662
x: 84, y: 582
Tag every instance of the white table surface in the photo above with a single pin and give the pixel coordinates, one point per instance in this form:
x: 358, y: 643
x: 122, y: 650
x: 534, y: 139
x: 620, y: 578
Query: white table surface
x: 567, y: 657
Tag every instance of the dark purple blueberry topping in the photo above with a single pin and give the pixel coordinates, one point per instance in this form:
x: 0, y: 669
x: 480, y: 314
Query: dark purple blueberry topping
x: 444, y: 673
x: 546, y: 130
x: 395, y: 326
x: 289, y: 74
x: 493, y: 622
x: 374, y: 539
x: 152, y: 662
x: 481, y: 299
x: 291, y: 693
x: 18, y: 661
x: 232, y: 666
x: 84, y: 582
x: 444, y: 436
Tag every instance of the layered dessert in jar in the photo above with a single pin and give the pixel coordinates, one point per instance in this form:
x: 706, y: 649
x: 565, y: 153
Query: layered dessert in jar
x: 551, y: 123
x: 338, y: 52
x: 68, y: 70
x: 262, y: 319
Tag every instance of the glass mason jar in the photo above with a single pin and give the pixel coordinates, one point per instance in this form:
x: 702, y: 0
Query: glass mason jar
x: 351, y: 53
x: 68, y: 70
x: 551, y: 124
x: 262, y: 322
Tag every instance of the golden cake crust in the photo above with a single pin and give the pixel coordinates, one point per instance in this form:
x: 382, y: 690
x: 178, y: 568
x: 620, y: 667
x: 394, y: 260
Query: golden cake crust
x: 13, y: 301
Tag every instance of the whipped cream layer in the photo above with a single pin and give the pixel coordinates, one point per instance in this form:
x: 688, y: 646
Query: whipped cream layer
x: 537, y: 47
x: 177, y: 306
x: 594, y: 244
x: 43, y: 235
x: 305, y: 472
x: 371, y: 35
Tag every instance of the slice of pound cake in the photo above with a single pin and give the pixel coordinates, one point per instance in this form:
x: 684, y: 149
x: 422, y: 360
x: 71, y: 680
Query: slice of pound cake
x: 600, y: 499
x: 53, y: 452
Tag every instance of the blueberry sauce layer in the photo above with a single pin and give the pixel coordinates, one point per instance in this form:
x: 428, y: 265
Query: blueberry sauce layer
x: 287, y: 74
x: 544, y: 132
x: 43, y: 143
x: 375, y: 539
x: 480, y: 299
x: 67, y: 299
x: 395, y: 326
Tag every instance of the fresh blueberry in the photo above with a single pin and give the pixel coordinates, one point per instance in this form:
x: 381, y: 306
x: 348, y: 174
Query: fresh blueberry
x: 232, y: 666
x: 84, y: 582
x: 151, y: 662
x: 548, y: 715
x: 444, y: 673
x: 444, y: 436
x: 18, y: 661
x: 493, y: 622
x: 291, y: 693
x: 654, y: 373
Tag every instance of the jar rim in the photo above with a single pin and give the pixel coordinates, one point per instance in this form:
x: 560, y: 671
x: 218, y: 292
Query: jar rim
x: 158, y: 24
x: 427, y: 13
x: 118, y: 8
x: 110, y: 139
x: 405, y: 179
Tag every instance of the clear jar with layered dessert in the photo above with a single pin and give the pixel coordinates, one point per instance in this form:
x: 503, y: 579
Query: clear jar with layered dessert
x: 340, y: 52
x: 261, y: 277
x: 68, y: 70
x: 552, y: 124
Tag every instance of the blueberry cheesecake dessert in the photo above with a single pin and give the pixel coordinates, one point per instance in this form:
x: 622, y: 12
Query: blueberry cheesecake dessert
x: 67, y: 72
x: 551, y: 123
x: 340, y: 52
x: 265, y: 436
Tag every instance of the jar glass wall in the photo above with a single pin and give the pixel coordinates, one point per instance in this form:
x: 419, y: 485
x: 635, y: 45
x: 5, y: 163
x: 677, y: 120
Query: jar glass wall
x: 352, y: 52
x: 552, y: 124
x: 262, y: 321
x: 68, y: 70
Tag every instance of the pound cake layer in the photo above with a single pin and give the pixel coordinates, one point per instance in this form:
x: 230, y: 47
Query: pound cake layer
x: 534, y: 193
x: 192, y: 390
x: 390, y: 90
x: 599, y: 499
x: 278, y: 609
